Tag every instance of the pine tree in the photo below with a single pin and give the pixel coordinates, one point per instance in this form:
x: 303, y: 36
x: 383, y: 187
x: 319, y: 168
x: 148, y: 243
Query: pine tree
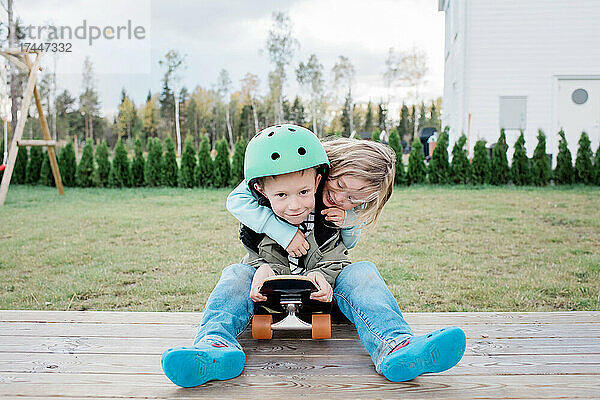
x: 417, y: 171
x: 153, y: 167
x: 422, y: 118
x: 439, y: 167
x: 170, y: 168
x: 237, y: 162
x: 381, y: 117
x: 85, y: 170
x: 67, y: 164
x: 583, y: 162
x: 597, y: 167
x: 204, y: 171
x: 396, y: 145
x: 403, y: 128
x: 369, y: 118
x: 519, y: 170
x: 375, y: 135
x: 222, y: 171
x: 499, y: 166
x: 460, y: 169
x: 540, y: 167
x: 434, y: 120
x: 187, y: 178
x: 412, y: 122
x: 103, y: 165
x: 19, y: 175
x: 481, y: 164
x: 563, y: 173
x: 137, y: 165
x: 120, y: 170
x: 46, y: 177
x: 34, y: 165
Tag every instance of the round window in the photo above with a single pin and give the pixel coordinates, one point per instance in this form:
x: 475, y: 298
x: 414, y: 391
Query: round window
x: 579, y: 96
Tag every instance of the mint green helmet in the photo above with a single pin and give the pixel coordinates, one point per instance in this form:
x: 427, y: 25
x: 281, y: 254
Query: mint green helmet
x: 282, y: 149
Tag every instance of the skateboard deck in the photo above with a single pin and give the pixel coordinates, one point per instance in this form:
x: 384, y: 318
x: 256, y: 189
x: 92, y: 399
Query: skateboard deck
x: 289, y: 307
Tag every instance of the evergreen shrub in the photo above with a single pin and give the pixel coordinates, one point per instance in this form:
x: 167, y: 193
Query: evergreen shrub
x: 460, y: 169
x: 540, y: 166
x: 85, y: 169
x: 417, y: 172
x: 187, y: 179
x: 481, y: 164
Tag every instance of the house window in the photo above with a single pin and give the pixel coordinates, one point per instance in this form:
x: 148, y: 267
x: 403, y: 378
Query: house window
x: 513, y: 112
x: 579, y: 96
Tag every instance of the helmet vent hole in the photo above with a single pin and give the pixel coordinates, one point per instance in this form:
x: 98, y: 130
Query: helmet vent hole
x: 277, y: 126
x: 292, y: 129
x: 301, y: 151
x: 275, y: 156
x: 270, y: 134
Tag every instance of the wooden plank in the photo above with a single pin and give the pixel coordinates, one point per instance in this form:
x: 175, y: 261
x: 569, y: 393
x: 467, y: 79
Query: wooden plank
x: 311, y: 363
x: 38, y: 143
x: 131, y: 345
x: 182, y: 318
x: 342, y: 387
x: 186, y: 332
x: 12, y: 156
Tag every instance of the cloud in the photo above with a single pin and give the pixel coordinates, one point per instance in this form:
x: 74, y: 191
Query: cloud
x: 231, y: 34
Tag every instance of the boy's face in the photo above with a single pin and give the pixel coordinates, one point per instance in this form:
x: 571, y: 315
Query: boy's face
x: 292, y: 196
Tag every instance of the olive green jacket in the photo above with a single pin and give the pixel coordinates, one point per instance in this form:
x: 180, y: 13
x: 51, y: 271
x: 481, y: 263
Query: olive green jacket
x: 329, y: 258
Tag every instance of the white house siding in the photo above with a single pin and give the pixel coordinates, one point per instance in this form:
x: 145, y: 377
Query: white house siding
x: 518, y: 48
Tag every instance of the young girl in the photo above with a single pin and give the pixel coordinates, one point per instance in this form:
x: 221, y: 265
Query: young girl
x: 358, y: 186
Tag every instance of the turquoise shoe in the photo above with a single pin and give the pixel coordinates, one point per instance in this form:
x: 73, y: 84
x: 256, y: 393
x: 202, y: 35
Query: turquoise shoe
x: 435, y: 352
x: 193, y: 366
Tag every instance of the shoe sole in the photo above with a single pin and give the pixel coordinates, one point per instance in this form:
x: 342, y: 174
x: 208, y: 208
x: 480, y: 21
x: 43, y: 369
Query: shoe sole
x: 190, y: 366
x: 442, y: 350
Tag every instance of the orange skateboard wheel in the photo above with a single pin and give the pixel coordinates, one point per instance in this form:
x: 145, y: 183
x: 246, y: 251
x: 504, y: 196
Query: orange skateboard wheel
x: 321, y: 326
x: 261, y: 327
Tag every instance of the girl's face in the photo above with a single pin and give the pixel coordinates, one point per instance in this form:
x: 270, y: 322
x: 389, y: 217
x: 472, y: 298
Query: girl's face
x: 345, y: 192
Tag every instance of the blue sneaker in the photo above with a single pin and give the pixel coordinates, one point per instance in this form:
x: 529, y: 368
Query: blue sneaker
x: 435, y: 352
x: 193, y: 366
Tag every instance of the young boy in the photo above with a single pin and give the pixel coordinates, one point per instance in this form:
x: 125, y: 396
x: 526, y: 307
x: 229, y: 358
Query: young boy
x: 285, y: 166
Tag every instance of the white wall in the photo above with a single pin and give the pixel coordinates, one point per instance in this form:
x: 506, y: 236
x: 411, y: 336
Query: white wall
x: 517, y: 48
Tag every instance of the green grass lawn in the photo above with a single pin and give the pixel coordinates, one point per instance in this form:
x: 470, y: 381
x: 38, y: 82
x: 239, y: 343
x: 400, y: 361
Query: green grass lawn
x: 438, y: 248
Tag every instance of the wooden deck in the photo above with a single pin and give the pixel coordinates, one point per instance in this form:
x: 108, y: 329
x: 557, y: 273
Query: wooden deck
x: 117, y: 355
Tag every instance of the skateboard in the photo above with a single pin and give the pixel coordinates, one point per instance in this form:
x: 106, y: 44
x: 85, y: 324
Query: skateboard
x: 289, y: 304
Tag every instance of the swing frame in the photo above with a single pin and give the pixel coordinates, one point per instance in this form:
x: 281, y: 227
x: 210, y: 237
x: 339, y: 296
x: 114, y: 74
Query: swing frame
x: 20, y: 59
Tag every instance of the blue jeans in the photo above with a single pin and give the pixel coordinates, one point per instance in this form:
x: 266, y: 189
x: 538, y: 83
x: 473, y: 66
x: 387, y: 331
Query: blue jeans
x: 360, y: 292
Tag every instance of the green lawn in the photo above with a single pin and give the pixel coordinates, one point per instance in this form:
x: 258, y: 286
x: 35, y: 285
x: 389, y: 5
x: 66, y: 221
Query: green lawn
x: 438, y: 248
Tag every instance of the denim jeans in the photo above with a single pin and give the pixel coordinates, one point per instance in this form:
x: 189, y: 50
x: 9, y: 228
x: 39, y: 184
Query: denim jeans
x: 360, y: 292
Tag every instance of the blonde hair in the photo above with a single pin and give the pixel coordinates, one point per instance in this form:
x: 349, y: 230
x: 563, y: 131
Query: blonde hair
x: 373, y: 162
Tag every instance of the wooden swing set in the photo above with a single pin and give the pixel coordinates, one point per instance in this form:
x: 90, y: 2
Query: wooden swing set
x: 21, y: 60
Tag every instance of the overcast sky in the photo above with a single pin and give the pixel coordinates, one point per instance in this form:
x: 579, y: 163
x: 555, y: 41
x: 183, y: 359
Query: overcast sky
x: 232, y: 34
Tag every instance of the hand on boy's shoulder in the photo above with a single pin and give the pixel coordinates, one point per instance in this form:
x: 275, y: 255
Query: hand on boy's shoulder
x: 298, y: 247
x: 334, y: 215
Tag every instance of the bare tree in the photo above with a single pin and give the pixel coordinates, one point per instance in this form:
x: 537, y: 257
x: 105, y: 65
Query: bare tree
x: 175, y: 64
x: 281, y: 46
x: 88, y: 100
x: 310, y: 77
x: 343, y: 76
x: 224, y: 91
x: 406, y: 69
x: 250, y: 84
